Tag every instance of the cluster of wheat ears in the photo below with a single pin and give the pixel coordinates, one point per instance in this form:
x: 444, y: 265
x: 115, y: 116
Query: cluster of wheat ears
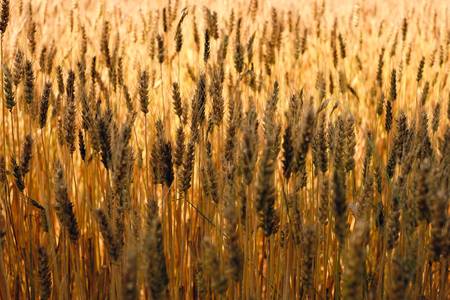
x: 224, y: 150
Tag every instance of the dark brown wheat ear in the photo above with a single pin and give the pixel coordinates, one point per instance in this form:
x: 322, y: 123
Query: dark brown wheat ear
x: 4, y: 16
x: 64, y: 207
x: 107, y: 234
x: 8, y: 89
x: 45, y: 275
x: 156, y: 275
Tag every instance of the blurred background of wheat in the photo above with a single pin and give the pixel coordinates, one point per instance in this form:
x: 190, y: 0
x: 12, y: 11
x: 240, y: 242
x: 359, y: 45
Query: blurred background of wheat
x: 224, y: 149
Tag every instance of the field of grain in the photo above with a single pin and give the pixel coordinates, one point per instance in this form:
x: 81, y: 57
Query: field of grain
x: 181, y: 149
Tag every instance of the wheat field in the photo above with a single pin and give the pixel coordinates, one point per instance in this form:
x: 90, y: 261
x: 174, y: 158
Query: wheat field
x: 185, y: 149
